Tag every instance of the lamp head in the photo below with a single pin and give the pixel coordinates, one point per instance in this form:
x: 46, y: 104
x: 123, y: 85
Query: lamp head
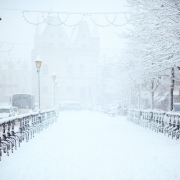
x: 38, y: 62
x: 54, y: 76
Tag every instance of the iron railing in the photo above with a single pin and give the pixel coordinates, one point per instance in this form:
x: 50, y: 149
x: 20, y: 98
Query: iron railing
x: 167, y: 123
x: 16, y: 129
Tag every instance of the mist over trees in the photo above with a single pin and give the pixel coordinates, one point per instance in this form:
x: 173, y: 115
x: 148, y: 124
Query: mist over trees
x: 152, y: 37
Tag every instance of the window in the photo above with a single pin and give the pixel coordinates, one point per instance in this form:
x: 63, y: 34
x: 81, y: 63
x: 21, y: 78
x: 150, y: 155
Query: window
x: 83, y: 45
x: 69, y: 70
x: 69, y: 89
x: 90, y: 91
x: 82, y: 92
x: 4, y: 79
x: 82, y: 70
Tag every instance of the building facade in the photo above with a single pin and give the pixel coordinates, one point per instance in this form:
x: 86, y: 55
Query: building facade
x: 74, y: 59
x: 15, y: 77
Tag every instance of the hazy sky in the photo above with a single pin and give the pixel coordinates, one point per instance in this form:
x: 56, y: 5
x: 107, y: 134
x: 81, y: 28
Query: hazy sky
x: 13, y: 28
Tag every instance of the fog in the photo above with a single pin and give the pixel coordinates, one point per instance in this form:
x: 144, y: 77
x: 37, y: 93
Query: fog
x: 14, y: 19
x: 73, y: 69
x: 79, y: 74
x: 122, y: 52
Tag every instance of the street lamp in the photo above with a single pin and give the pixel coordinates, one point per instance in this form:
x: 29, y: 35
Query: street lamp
x: 57, y: 93
x: 55, y: 82
x: 38, y: 66
x: 55, y: 97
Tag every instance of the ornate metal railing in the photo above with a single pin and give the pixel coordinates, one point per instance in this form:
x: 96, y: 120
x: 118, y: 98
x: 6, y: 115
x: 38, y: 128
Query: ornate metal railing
x: 15, y: 130
x: 158, y: 121
x: 123, y: 111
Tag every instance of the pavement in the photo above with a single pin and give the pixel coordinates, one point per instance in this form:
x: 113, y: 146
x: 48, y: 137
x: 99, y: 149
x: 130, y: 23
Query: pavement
x: 86, y: 145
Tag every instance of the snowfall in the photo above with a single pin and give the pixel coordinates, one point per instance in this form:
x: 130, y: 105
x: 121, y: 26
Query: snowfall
x: 93, y: 146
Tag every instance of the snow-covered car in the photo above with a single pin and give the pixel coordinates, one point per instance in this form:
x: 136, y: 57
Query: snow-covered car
x: 111, y: 109
x: 71, y: 105
x: 176, y: 107
x: 6, y: 111
x: 16, y: 110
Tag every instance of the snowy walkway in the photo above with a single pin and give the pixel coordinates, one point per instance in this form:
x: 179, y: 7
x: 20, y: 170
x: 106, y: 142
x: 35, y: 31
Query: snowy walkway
x: 93, y: 146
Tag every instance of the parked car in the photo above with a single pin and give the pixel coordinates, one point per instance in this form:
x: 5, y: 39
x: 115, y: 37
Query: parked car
x: 6, y: 111
x: 16, y: 111
x: 71, y: 105
x: 176, y: 107
x: 110, y: 108
x: 113, y: 109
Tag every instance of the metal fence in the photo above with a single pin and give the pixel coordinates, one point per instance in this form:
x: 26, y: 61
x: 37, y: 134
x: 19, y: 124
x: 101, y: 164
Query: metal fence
x: 158, y: 121
x: 15, y: 130
x: 123, y: 111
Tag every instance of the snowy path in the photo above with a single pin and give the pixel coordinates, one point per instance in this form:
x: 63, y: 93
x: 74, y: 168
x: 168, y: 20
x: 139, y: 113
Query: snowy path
x: 93, y: 146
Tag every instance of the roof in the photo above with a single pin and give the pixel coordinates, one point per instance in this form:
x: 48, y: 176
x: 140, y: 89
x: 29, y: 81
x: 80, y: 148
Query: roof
x: 5, y: 107
x: 23, y: 94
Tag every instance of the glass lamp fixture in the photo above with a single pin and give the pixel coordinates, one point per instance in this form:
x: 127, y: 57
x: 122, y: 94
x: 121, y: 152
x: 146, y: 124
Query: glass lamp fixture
x: 38, y: 62
x: 54, y: 76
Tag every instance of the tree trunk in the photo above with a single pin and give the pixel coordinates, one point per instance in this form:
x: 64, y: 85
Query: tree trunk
x: 139, y: 98
x: 172, y: 89
x: 152, y: 95
x: 130, y: 100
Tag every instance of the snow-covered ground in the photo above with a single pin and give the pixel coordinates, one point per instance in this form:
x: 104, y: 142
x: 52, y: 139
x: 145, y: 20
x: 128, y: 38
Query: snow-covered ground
x: 94, y: 146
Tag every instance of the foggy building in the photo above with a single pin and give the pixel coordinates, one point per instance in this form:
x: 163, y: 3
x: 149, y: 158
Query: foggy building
x: 15, y: 74
x: 73, y: 57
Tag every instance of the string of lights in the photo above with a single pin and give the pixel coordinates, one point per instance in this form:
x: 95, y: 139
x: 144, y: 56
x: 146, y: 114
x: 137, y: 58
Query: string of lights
x: 83, y: 15
x: 64, y: 12
x: 23, y: 14
x: 65, y: 22
x: 112, y: 22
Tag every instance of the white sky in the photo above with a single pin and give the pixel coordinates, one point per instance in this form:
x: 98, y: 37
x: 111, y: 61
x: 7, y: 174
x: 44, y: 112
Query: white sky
x: 13, y: 28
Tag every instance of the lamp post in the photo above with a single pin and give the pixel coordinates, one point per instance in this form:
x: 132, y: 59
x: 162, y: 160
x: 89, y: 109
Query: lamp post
x: 38, y: 66
x: 55, y: 87
x: 57, y: 94
x: 54, y: 79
